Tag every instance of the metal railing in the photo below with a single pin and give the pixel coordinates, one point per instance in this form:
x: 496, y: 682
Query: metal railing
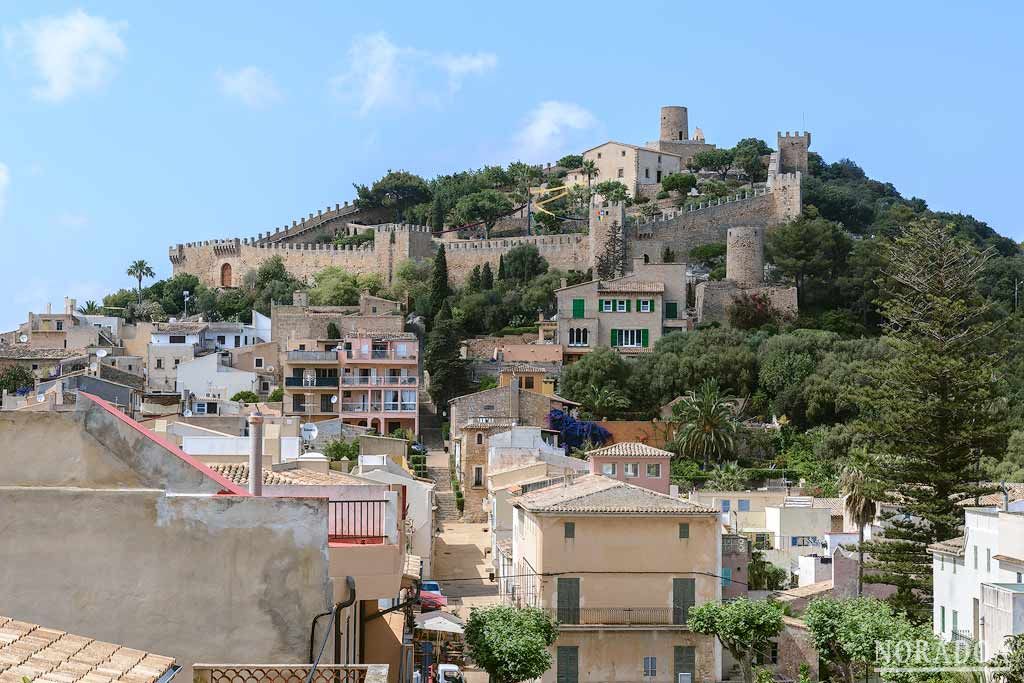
x: 962, y: 635
x: 619, y: 616
x: 311, y: 381
x: 357, y: 520
x: 378, y: 381
x: 289, y: 673
x: 312, y: 356
x: 378, y: 354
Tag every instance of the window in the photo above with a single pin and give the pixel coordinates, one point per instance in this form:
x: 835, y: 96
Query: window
x: 726, y: 576
x: 608, y: 469
x: 975, y: 557
x: 569, y: 529
x: 942, y: 563
x: 579, y: 336
x: 631, y: 469
x: 724, y: 505
x: 373, y: 309
x: 176, y: 339
x: 942, y: 619
x: 620, y: 173
x: 803, y: 541
x: 325, y: 403
x: 479, y: 437
x: 299, y: 403
x: 579, y: 308
x: 955, y: 615
x: 606, y: 305
x: 302, y: 347
x: 647, y: 173
x: 623, y: 152
x: 598, y: 155
x: 1019, y: 577
x: 60, y: 325
x: 630, y: 338
x: 671, y: 310
x: 177, y: 362
x: 257, y: 362
x: 650, y: 666
x: 528, y: 382
x: 658, y: 179
x: 988, y: 559
x: 35, y: 366
x: 744, y: 505
x: 645, y: 305
x: 954, y: 565
x: 264, y: 386
x: 159, y: 363
x: 659, y: 158
x: 654, y: 470
x: 237, y: 341
x: 684, y: 530
x: 478, y: 475
x: 620, y: 306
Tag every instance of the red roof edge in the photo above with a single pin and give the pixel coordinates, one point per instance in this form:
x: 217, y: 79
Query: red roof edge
x: 228, y: 487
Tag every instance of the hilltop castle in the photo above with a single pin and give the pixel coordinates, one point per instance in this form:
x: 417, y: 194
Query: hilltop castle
x: 223, y: 263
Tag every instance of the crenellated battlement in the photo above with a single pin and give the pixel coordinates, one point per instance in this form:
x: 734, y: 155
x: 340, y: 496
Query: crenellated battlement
x: 503, y: 244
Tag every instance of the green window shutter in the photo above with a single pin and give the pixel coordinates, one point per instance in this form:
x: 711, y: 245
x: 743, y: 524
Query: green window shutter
x: 643, y: 338
x: 600, y: 305
x: 684, y: 530
x: 615, y: 338
x: 652, y: 305
x: 628, y: 307
x: 671, y: 310
x: 578, y: 308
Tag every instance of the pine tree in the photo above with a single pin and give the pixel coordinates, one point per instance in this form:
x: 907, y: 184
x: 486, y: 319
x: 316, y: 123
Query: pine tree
x: 473, y: 283
x: 933, y: 408
x: 501, y: 268
x: 439, y: 289
x: 441, y: 359
x: 486, y: 277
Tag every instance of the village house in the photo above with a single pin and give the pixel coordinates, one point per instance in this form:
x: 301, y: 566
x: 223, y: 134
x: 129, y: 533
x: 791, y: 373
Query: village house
x: 634, y: 166
x: 300, y: 321
x: 582, y: 549
x: 635, y: 463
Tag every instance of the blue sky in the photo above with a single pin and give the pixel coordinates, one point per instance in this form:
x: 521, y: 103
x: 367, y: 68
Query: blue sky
x: 126, y: 127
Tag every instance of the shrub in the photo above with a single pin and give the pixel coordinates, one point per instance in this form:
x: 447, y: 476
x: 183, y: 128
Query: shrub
x: 276, y: 396
x: 246, y: 397
x: 338, y: 449
x: 663, y: 195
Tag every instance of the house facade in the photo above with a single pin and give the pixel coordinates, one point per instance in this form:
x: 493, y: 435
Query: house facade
x: 635, y: 463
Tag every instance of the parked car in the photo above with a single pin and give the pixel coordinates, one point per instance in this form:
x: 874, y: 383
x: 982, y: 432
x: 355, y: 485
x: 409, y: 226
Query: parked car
x: 449, y: 673
x: 417, y: 448
x: 431, y: 597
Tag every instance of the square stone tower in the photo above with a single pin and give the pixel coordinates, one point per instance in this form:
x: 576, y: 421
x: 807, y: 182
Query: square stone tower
x: 793, y: 151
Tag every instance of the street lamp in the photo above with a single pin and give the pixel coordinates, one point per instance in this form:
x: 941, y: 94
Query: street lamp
x: 185, y: 294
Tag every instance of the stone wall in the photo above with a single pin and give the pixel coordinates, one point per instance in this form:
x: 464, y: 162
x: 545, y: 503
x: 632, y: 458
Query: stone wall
x: 563, y: 252
x: 793, y: 151
x: 713, y: 299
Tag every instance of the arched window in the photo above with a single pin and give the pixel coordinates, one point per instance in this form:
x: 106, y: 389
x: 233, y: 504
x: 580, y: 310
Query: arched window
x: 225, y: 275
x: 647, y: 259
x: 579, y: 336
x: 479, y: 437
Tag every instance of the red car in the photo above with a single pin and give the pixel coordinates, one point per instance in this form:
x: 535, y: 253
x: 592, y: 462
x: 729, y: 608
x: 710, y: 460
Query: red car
x: 431, y: 597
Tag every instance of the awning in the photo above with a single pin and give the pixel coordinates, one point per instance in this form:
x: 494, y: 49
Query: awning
x: 439, y: 621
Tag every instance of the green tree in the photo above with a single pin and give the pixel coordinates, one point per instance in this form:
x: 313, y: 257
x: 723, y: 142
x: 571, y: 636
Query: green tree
x: 1012, y: 658
x: 523, y: 263
x: 808, y: 248
x: 486, y: 277
x: 727, y: 477
x: 337, y: 449
x: 511, y: 644
x: 589, y: 169
x: 246, y: 397
x: 612, y: 259
x: 439, y: 288
x: 571, y: 161
x: 473, y: 282
x: 276, y: 396
x: 743, y: 627
x: 601, y: 368
x: 335, y: 286
x: 398, y: 190
x: 16, y: 377
x: 650, y: 210
x: 707, y: 427
x: 448, y: 376
x: 679, y: 182
x: 762, y: 575
x: 485, y: 206
x: 501, y: 267
x: 332, y: 331
x: 716, y: 160
x: 613, y: 191
x: 138, y: 270
x: 933, y: 409
x: 604, y: 402
x: 747, y: 156
x: 90, y: 308
x: 859, y: 505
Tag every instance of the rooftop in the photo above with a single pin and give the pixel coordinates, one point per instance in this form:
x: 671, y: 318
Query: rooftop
x: 26, y: 353
x: 238, y: 473
x: 833, y: 504
x: 631, y: 449
x: 601, y: 495
x: 954, y: 546
x: 641, y: 286
x: 484, y: 422
x: 52, y: 656
x: 522, y: 367
x: 180, y: 328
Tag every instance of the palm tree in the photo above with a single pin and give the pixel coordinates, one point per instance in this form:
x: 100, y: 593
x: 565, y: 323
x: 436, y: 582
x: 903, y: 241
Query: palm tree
x: 707, y: 424
x: 859, y: 505
x: 727, y: 477
x: 589, y: 169
x: 90, y: 308
x: 138, y: 270
x: 602, y: 402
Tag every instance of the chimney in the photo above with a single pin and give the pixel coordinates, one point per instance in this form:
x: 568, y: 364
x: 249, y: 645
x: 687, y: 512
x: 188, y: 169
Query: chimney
x: 255, y: 454
x: 563, y: 283
x: 513, y: 398
x: 49, y: 309
x: 69, y: 306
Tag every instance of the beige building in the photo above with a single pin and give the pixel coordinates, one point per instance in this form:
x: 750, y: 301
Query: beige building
x: 633, y: 166
x: 300, y: 321
x: 629, y: 313
x: 620, y: 567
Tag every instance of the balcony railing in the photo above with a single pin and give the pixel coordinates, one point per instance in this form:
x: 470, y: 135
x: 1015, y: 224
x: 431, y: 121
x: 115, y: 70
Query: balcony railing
x: 620, y: 616
x: 357, y: 521
x: 387, y: 407
x: 962, y: 635
x: 289, y: 673
x: 378, y: 381
x: 311, y: 381
x: 378, y: 354
x: 312, y: 356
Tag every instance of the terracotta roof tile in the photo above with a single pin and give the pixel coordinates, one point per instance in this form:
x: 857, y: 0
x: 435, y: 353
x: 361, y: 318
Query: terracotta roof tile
x: 602, y: 495
x: 630, y: 449
x: 238, y: 473
x: 513, y: 368
x: 953, y: 546
x: 26, y: 353
x: 54, y: 656
x: 640, y: 286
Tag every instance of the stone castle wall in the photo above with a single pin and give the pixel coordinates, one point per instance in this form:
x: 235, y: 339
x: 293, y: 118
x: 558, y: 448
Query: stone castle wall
x: 562, y: 252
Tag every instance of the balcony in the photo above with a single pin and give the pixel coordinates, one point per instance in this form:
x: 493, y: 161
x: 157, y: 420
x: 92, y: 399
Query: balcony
x: 312, y: 356
x: 289, y: 673
x: 357, y: 521
x: 311, y: 382
x: 641, y: 617
x: 379, y: 355
x: 962, y: 635
x: 377, y: 407
x: 378, y: 381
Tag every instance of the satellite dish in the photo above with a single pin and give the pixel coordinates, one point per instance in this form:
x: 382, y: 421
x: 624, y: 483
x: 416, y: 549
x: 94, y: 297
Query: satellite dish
x: 40, y: 398
x: 93, y: 367
x: 101, y: 353
x: 187, y: 413
x: 309, y: 431
x: 334, y: 399
x: 23, y: 338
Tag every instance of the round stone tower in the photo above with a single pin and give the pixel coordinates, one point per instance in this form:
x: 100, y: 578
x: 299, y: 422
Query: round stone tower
x: 674, y: 124
x: 744, y: 256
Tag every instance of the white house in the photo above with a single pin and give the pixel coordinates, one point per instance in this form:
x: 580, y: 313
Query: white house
x: 208, y: 377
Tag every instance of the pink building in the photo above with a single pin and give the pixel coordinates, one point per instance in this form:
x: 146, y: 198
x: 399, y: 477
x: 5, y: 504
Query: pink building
x: 635, y: 463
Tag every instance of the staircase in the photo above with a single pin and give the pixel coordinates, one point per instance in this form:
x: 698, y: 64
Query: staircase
x: 443, y: 495
x: 430, y: 423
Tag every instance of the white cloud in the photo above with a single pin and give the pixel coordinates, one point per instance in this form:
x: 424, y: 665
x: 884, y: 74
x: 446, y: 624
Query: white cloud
x: 545, y: 133
x: 251, y: 85
x: 380, y: 74
x: 73, y: 53
x: 5, y: 181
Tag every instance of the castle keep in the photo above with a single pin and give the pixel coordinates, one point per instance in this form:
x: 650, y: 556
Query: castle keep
x: 302, y: 248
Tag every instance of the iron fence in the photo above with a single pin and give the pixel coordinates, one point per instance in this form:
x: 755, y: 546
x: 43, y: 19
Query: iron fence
x: 357, y: 520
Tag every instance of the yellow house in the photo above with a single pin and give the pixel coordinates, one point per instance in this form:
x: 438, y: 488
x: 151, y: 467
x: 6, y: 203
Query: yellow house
x: 620, y: 567
x: 531, y: 377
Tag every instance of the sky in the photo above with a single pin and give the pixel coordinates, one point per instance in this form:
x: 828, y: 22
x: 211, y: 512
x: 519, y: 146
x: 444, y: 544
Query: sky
x: 126, y: 127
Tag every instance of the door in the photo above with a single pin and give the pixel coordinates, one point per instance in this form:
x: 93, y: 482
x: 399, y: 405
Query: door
x: 567, y: 665
x: 568, y: 601
x: 682, y: 599
x: 684, y: 661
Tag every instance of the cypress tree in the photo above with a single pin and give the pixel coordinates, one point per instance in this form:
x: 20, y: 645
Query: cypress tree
x: 486, y: 277
x: 501, y: 267
x: 439, y: 290
x: 473, y: 284
x: 933, y: 408
x: 448, y: 377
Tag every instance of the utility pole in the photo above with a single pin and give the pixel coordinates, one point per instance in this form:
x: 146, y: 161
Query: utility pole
x: 185, y: 295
